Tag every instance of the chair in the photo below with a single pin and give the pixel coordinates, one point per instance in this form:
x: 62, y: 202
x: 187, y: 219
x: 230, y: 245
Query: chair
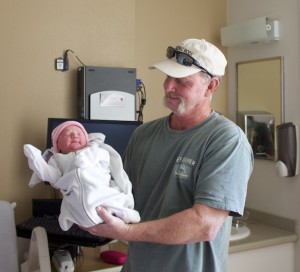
x: 38, y: 257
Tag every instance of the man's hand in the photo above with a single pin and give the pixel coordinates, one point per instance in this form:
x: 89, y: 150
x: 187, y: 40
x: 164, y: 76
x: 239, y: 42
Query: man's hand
x: 112, y: 227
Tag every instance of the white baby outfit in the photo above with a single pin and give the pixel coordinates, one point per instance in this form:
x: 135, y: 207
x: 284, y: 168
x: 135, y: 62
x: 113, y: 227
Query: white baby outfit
x: 87, y: 178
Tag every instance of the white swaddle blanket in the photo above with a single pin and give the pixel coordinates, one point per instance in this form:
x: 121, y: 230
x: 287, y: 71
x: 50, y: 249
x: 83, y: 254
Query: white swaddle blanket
x: 86, y: 183
x: 8, y: 238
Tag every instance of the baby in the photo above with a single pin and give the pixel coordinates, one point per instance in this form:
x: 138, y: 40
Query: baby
x: 88, y: 172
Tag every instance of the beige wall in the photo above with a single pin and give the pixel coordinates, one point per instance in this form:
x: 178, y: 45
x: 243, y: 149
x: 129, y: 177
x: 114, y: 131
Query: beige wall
x: 123, y: 33
x: 163, y: 23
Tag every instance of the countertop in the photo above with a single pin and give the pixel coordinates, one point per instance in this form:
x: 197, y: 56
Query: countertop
x: 266, y: 230
x: 90, y: 258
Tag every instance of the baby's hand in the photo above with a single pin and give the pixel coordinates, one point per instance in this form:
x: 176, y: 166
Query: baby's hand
x: 31, y: 152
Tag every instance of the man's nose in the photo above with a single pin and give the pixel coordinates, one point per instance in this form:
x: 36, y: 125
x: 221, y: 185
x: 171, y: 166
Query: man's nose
x: 169, y: 84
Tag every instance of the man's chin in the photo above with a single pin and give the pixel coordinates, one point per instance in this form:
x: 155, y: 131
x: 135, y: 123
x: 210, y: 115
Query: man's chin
x: 171, y: 104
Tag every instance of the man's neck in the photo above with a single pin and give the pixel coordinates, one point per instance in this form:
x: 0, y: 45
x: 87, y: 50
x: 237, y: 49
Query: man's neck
x: 182, y: 122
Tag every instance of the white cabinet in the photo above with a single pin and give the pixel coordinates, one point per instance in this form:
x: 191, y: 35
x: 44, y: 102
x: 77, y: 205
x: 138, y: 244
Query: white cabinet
x: 276, y: 258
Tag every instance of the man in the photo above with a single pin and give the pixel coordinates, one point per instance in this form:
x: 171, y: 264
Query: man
x: 189, y: 171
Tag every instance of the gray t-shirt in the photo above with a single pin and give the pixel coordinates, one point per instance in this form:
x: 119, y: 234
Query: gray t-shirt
x: 172, y: 170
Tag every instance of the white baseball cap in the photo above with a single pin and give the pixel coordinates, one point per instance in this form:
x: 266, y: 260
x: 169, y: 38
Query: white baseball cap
x: 192, y: 56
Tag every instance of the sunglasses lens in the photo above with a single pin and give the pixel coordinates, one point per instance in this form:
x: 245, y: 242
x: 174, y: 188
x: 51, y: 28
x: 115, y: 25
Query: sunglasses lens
x: 170, y: 52
x: 184, y: 59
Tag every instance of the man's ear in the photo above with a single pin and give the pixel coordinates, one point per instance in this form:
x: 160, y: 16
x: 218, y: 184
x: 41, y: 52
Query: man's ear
x: 213, y: 85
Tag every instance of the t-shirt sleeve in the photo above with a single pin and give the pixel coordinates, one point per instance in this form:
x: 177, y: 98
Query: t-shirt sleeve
x: 224, y: 173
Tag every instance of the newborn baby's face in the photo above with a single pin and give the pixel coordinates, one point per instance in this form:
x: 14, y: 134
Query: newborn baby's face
x: 71, y: 139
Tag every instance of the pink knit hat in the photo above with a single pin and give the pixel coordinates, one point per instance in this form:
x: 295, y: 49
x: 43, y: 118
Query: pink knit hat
x: 58, y: 130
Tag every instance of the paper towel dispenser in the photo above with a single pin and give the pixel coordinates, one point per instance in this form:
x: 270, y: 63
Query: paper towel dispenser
x: 287, y: 149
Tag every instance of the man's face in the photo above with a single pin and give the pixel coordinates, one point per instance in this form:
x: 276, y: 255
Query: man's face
x: 71, y: 139
x: 185, y: 95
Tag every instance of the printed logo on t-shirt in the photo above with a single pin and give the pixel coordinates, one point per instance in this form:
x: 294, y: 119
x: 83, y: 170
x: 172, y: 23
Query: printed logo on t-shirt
x: 184, y: 167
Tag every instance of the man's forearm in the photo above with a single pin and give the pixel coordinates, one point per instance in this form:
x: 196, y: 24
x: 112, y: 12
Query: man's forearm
x: 199, y: 223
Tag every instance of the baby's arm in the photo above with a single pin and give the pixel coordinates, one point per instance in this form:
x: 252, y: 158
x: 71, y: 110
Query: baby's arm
x: 39, y: 166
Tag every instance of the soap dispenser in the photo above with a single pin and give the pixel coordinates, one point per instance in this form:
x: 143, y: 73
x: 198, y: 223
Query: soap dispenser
x: 287, y: 149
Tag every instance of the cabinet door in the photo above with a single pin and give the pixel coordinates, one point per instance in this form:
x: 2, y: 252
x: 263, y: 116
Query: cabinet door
x: 274, y: 258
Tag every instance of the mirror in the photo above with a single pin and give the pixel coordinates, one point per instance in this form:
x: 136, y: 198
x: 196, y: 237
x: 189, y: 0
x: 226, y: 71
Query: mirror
x: 260, y: 89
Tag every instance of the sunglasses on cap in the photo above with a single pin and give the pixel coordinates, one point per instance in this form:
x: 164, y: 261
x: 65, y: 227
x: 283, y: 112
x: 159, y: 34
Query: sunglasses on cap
x: 184, y: 57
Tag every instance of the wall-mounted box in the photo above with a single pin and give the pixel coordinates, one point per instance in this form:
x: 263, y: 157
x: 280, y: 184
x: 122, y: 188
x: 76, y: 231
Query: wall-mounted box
x: 253, y: 31
x: 106, y: 93
x: 259, y: 127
